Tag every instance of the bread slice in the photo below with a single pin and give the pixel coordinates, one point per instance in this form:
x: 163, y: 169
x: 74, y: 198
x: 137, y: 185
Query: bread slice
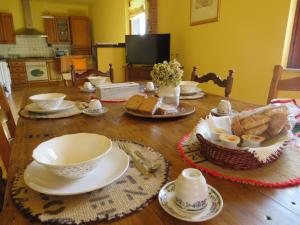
x: 236, y: 126
x: 254, y: 121
x: 134, y: 102
x: 149, y: 105
x: 257, y: 130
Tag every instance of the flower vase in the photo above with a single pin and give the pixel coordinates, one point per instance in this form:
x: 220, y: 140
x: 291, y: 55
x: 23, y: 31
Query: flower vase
x: 169, y: 95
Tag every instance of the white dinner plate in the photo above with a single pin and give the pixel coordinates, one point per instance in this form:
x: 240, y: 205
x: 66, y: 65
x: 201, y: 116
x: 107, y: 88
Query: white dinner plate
x: 33, y: 107
x: 42, y: 180
x: 191, y: 91
x: 166, y: 198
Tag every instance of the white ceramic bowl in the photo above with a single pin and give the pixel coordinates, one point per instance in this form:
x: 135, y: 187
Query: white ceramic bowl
x: 97, y: 80
x: 48, y: 101
x: 188, y: 86
x: 74, y: 155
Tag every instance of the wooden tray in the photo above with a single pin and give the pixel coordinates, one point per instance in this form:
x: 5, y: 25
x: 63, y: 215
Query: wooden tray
x: 184, y: 109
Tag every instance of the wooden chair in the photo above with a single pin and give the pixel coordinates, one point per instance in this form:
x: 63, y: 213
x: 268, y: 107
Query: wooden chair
x: 226, y: 83
x: 6, y: 115
x: 278, y: 84
x: 79, y: 77
x: 6, y: 118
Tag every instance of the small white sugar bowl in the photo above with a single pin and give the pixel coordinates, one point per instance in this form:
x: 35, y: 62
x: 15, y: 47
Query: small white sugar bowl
x: 191, y: 191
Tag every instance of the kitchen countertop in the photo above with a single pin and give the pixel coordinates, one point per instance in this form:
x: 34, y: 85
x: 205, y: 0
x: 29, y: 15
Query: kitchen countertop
x: 32, y: 59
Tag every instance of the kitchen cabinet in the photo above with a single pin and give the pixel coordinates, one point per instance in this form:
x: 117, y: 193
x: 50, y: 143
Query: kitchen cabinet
x: 53, y: 67
x: 17, y: 73
x: 57, y: 29
x: 7, y: 32
x: 80, y: 35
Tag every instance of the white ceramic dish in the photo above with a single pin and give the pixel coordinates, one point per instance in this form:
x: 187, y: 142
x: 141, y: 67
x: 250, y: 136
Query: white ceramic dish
x: 33, y: 107
x: 189, y: 87
x: 40, y: 179
x: 97, y: 80
x: 82, y: 89
x: 74, y: 155
x: 98, y: 112
x: 214, y: 206
x: 48, y: 101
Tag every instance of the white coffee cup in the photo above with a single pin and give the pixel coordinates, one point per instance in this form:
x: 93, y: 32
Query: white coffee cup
x: 191, y: 191
x: 149, y: 86
x: 224, y: 107
x: 95, y: 104
x: 87, y: 85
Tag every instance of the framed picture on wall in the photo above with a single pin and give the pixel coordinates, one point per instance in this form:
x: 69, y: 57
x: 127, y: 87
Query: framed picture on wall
x: 204, y: 11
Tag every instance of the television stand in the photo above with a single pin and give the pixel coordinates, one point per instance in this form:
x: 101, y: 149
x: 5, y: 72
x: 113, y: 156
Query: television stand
x: 138, y: 72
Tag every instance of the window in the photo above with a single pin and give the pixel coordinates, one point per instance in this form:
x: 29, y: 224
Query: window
x: 138, y: 24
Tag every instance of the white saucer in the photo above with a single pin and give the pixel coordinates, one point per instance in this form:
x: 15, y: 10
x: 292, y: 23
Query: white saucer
x: 95, y: 112
x: 33, y: 107
x: 214, y: 206
x: 216, y: 112
x: 42, y: 180
x: 93, y: 89
x: 191, y: 92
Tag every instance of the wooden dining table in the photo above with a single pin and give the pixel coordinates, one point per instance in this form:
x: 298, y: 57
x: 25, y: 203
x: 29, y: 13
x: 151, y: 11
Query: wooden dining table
x: 243, y: 204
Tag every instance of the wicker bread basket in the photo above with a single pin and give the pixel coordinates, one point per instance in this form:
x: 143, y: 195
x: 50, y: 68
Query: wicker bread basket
x: 233, y: 158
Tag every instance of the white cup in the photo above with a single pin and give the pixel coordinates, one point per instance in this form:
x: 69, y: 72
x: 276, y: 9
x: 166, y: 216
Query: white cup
x: 95, y: 104
x: 224, y: 107
x: 87, y: 85
x: 149, y: 86
x: 191, y: 191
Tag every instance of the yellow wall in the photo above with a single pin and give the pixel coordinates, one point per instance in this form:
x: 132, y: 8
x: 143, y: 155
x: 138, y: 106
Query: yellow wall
x: 109, y: 20
x: 116, y: 56
x: 37, y: 8
x: 249, y: 38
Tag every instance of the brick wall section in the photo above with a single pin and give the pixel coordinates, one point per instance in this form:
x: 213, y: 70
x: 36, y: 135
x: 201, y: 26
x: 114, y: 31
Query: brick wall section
x: 152, y: 22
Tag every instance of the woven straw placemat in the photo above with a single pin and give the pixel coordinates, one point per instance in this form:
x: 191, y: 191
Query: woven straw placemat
x: 130, y: 193
x: 283, y: 172
x: 77, y: 109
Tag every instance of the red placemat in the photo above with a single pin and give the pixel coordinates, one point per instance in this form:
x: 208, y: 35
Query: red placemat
x: 284, y: 172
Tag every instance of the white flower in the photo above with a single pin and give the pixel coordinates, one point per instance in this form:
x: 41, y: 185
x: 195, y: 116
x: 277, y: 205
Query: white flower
x: 167, y: 73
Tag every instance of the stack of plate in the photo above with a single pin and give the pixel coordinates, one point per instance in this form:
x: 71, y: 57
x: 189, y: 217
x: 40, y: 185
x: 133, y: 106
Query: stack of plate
x: 190, y: 90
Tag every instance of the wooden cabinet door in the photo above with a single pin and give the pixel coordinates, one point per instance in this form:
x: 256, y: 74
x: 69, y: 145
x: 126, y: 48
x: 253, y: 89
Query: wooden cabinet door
x: 80, y: 32
x: 7, y: 32
x: 62, y: 29
x: 53, y: 68
x: 51, y: 31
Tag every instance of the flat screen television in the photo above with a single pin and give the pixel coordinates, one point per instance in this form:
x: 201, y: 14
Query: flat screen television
x: 147, y: 49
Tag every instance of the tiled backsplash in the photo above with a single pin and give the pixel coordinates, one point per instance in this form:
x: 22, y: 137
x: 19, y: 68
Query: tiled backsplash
x: 31, y: 47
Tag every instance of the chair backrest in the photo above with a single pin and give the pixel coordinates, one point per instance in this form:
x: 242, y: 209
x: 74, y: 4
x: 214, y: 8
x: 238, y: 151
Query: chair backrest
x: 5, y: 148
x: 78, y: 77
x: 6, y: 113
x: 226, y: 83
x: 278, y: 84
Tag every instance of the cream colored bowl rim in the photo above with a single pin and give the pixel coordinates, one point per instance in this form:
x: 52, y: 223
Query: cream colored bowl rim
x: 71, y: 164
x: 47, y: 96
x: 189, y: 83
